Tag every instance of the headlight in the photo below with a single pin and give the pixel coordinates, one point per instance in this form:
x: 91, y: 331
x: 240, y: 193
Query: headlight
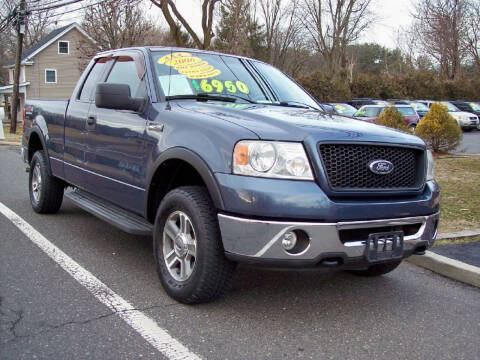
x: 271, y: 159
x: 430, y: 166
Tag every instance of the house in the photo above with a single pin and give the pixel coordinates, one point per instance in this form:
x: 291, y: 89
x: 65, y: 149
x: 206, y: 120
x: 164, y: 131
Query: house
x: 49, y: 69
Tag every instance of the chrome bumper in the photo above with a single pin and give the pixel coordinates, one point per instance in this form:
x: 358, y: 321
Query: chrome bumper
x: 257, y: 239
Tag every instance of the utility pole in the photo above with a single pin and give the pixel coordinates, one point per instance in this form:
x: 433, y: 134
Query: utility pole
x: 21, y: 14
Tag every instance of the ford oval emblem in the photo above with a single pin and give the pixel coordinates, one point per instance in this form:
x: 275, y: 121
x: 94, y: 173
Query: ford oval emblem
x: 380, y: 167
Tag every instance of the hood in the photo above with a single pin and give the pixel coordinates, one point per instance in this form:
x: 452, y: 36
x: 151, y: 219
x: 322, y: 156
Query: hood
x: 271, y: 122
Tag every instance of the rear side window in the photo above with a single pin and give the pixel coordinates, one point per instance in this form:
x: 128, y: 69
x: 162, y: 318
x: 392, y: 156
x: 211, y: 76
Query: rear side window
x: 406, y: 111
x: 125, y: 72
x: 93, y: 78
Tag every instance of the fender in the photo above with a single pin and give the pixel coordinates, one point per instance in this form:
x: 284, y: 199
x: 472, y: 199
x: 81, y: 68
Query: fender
x: 38, y: 131
x: 197, y: 163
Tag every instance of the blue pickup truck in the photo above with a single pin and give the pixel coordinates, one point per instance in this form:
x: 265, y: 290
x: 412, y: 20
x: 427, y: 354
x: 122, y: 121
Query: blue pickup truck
x: 224, y: 160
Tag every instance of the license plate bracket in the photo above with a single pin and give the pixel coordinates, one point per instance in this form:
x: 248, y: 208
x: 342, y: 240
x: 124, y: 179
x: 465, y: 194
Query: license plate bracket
x: 384, y: 246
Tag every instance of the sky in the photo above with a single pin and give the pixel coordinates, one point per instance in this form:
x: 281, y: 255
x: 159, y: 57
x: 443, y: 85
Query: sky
x: 393, y: 16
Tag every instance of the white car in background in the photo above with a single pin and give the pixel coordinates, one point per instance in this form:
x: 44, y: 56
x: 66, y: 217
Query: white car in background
x: 467, y: 121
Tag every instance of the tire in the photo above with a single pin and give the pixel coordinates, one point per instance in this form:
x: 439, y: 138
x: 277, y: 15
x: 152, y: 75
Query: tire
x: 46, y: 191
x: 378, y: 269
x: 206, y: 275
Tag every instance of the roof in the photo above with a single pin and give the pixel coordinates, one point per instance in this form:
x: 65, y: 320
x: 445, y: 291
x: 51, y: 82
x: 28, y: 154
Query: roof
x: 46, y: 41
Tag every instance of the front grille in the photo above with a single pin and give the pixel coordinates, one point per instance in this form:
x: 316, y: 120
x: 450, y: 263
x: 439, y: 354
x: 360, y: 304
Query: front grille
x: 347, y: 168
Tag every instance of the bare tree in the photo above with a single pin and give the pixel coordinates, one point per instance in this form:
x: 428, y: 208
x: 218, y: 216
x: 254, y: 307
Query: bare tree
x: 333, y: 25
x: 115, y: 24
x: 284, y: 39
x: 176, y: 21
x: 441, y: 26
x: 38, y: 24
x: 473, y: 32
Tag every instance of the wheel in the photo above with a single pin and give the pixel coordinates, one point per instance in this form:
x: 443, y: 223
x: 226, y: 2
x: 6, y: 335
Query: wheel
x: 378, y: 269
x: 412, y: 128
x: 46, y: 191
x: 188, y: 249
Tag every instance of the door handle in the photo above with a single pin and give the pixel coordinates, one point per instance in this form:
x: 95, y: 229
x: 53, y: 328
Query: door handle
x: 91, y: 120
x: 153, y: 126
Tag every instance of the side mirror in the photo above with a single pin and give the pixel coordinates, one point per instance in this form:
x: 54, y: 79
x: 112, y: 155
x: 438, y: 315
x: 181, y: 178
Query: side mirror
x: 116, y: 96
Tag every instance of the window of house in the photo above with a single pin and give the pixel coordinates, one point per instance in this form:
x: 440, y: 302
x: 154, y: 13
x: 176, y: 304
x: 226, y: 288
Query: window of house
x: 50, y: 76
x: 63, y: 47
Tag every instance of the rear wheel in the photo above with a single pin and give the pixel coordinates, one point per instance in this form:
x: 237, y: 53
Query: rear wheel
x: 46, y: 191
x: 187, y: 246
x: 378, y: 269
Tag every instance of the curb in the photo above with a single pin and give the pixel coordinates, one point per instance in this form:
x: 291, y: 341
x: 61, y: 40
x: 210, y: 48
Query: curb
x: 459, y: 234
x: 447, y: 267
x: 9, y: 143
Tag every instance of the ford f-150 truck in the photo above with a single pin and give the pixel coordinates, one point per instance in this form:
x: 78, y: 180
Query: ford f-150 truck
x: 226, y: 160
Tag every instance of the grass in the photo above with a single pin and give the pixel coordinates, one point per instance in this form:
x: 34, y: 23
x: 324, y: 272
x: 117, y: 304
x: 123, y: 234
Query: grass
x: 464, y: 240
x: 17, y: 137
x: 459, y: 180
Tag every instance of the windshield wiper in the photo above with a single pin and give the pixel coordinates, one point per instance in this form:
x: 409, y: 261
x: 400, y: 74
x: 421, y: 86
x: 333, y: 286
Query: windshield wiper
x: 291, y: 103
x: 207, y: 96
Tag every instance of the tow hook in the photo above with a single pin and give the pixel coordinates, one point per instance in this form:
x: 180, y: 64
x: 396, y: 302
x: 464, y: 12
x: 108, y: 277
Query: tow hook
x: 330, y: 262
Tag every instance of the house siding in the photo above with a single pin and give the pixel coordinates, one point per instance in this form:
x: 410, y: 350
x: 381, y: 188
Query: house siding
x: 67, y: 67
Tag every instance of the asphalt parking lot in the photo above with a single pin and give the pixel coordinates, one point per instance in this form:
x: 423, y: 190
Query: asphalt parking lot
x: 45, y: 313
x: 470, y: 143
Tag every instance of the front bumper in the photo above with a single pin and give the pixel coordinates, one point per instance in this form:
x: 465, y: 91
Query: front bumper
x: 259, y: 241
x: 469, y: 124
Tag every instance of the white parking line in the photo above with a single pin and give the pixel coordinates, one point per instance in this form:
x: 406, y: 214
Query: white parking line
x: 145, y: 326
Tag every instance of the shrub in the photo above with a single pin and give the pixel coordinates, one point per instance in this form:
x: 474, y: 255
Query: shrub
x: 391, y: 117
x: 325, y: 87
x: 439, y: 129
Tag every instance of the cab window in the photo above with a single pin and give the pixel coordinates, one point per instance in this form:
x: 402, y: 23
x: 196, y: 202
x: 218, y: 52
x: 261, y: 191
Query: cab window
x: 95, y: 75
x: 125, y: 71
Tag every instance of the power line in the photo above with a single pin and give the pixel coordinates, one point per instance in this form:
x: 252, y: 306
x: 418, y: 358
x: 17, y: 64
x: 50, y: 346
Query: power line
x: 78, y: 9
x: 57, y: 5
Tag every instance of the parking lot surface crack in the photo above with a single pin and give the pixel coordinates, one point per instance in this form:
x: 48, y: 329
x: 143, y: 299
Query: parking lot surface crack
x: 45, y: 327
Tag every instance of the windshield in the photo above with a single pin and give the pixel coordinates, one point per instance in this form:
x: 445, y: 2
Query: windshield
x: 450, y: 106
x: 406, y: 110
x: 370, y: 111
x: 419, y: 106
x: 190, y: 74
x: 475, y: 106
x: 344, y: 109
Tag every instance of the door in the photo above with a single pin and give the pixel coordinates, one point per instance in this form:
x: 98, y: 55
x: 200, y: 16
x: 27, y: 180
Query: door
x: 75, y: 125
x: 115, y: 154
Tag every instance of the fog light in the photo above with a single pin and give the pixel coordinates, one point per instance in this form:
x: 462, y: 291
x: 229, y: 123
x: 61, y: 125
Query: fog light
x: 289, y: 240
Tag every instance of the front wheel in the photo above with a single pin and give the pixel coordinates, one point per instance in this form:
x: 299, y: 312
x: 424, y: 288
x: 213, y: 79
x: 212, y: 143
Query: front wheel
x: 46, y: 191
x: 378, y: 269
x: 188, y: 249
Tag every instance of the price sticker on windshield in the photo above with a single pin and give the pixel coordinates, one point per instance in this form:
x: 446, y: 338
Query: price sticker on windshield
x: 219, y: 86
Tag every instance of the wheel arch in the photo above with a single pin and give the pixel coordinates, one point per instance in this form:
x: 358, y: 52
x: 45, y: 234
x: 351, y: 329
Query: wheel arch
x: 166, y: 168
x: 36, y: 142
